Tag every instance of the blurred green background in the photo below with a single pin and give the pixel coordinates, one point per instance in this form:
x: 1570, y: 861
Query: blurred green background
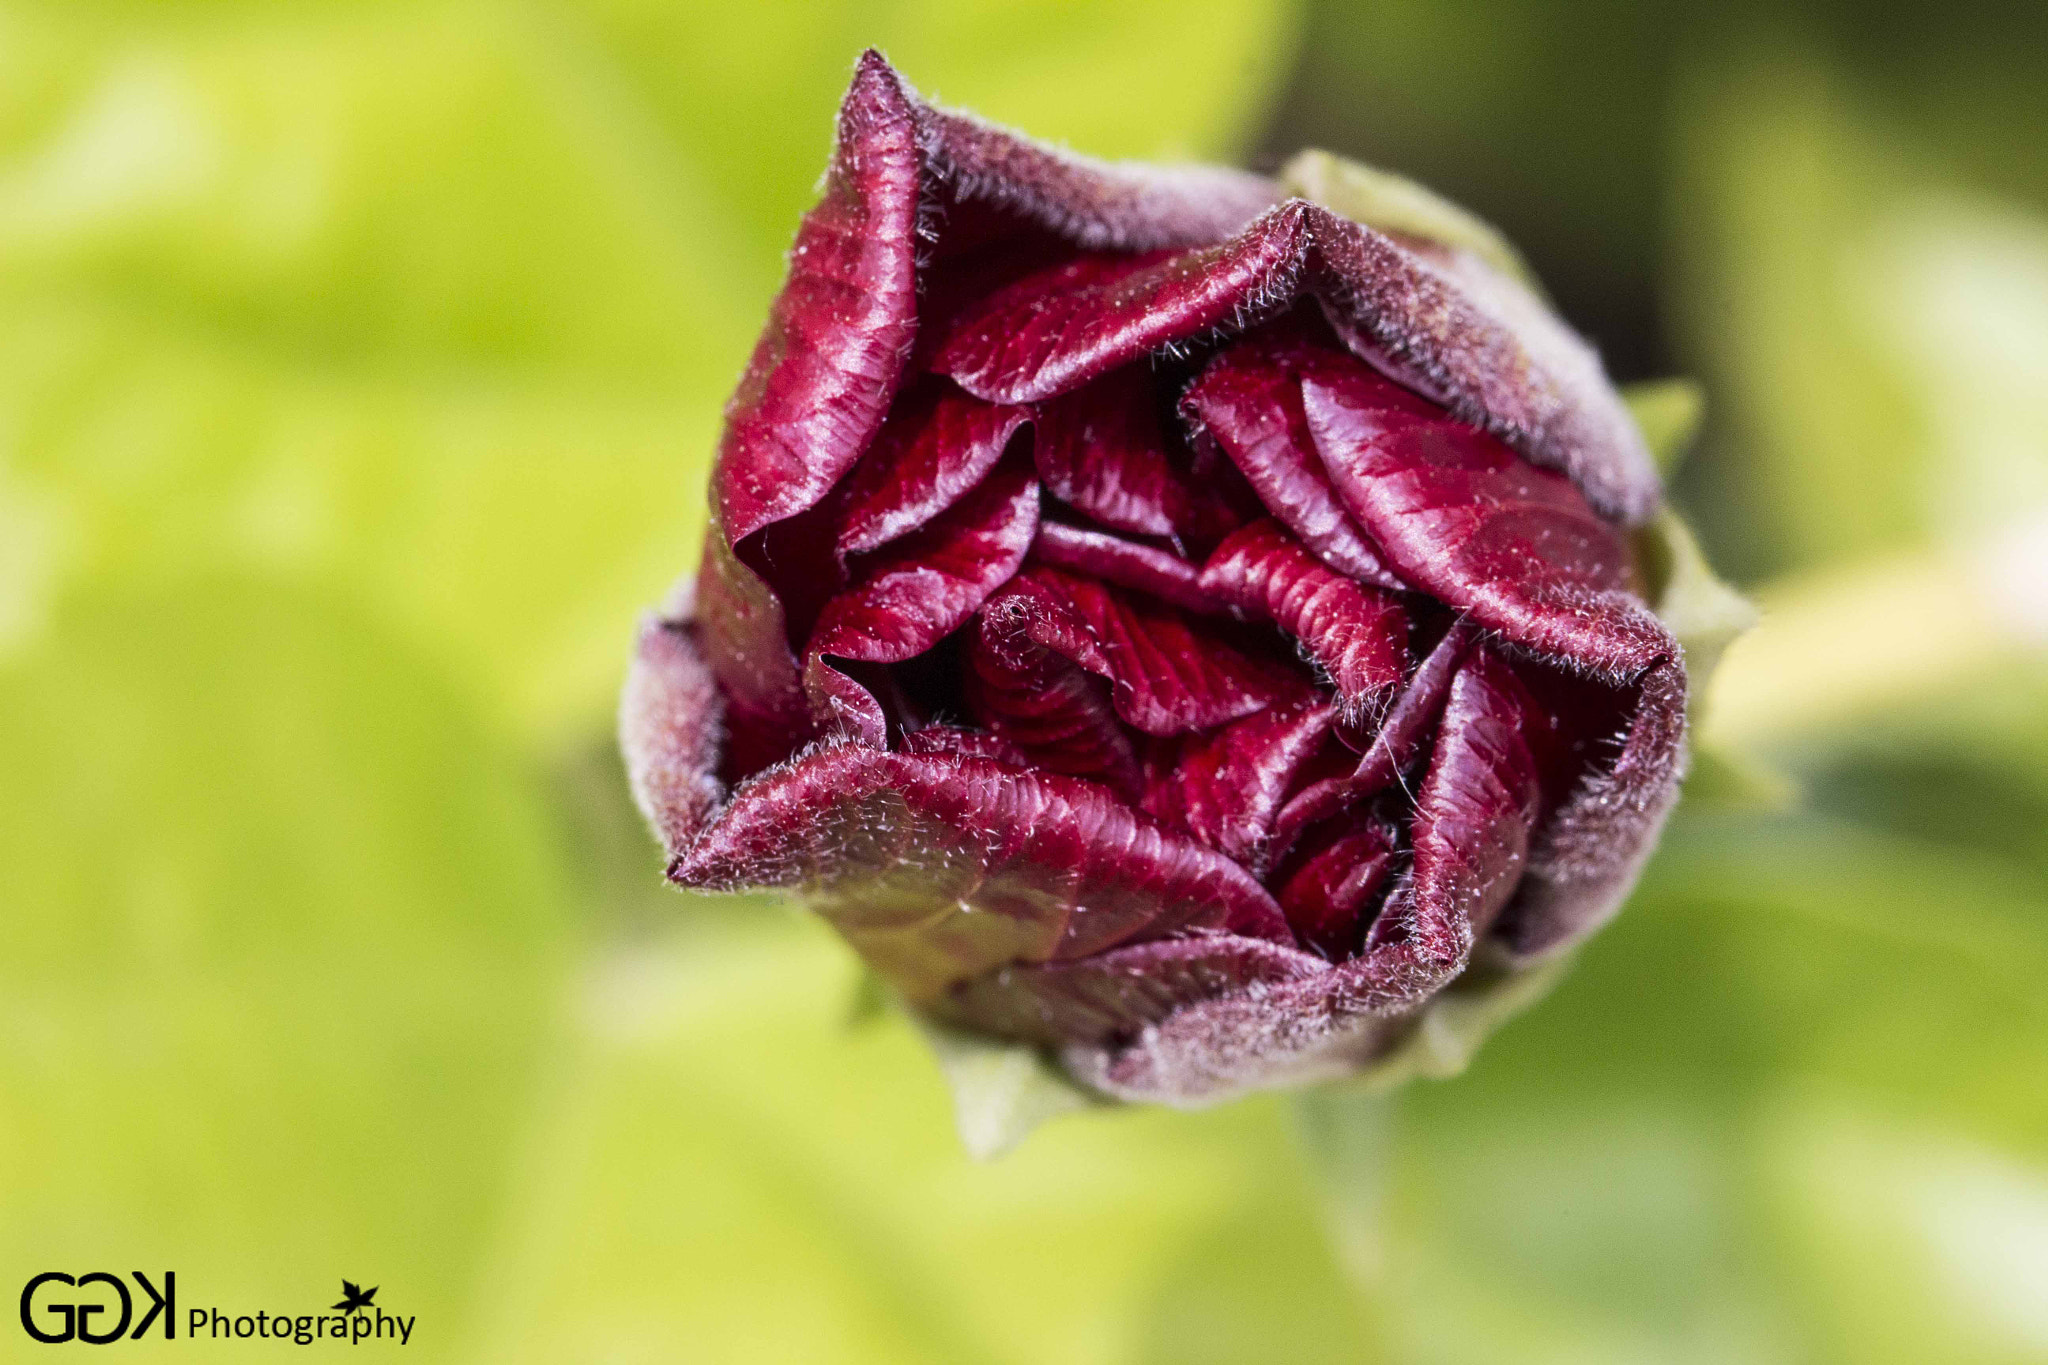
x: 359, y: 364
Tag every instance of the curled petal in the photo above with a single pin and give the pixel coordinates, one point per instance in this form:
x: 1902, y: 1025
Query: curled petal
x: 1460, y: 516
x: 926, y: 459
x: 1470, y: 837
x: 1128, y: 565
x: 1169, y: 675
x: 828, y: 363
x: 1036, y: 676
x: 1591, y: 848
x: 941, y: 868
x: 1357, y: 634
x: 1249, y: 399
x: 1099, y: 450
x: 927, y: 587
x: 746, y: 641
x: 1450, y: 326
x: 1052, y: 332
x: 671, y: 723
x: 1328, y: 896
x: 1393, y: 750
x: 1093, y: 204
x: 1472, y: 819
x: 1226, y: 786
x: 951, y: 739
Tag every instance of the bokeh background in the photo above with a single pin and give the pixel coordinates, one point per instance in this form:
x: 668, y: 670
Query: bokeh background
x: 359, y: 365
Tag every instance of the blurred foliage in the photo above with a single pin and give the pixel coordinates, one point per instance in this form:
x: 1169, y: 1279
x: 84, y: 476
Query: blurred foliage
x: 359, y: 366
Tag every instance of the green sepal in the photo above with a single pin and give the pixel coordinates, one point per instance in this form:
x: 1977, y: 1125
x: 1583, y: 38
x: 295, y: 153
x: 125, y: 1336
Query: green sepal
x: 1669, y: 413
x: 1393, y: 203
x: 1001, y: 1090
x: 1705, y: 613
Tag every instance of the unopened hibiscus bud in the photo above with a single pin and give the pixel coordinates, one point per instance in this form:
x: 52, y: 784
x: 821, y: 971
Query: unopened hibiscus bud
x: 1159, y: 619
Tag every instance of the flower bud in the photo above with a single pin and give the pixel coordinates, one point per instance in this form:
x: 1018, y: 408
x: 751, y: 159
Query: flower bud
x: 1169, y: 623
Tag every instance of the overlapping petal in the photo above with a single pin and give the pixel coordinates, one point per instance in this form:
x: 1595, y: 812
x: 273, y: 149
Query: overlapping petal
x: 1225, y: 787
x: 926, y: 587
x: 1052, y: 332
x: 943, y: 867
x: 1481, y: 530
x: 1100, y: 450
x: 1038, y: 678
x: 1170, y: 674
x: 1156, y: 620
x: 1128, y: 564
x: 928, y: 455
x: 828, y: 363
x: 1249, y: 399
x: 1357, y: 634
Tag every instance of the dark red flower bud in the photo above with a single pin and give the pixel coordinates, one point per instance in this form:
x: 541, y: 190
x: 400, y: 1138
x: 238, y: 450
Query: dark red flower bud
x: 1158, y: 619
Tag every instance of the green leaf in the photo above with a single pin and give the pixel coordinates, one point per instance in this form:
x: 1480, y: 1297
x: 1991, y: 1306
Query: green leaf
x: 439, y: 303
x: 286, y: 923
x: 1778, y: 1102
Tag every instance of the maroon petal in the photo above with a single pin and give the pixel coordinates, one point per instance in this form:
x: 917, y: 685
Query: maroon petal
x: 1036, y: 676
x: 1112, y: 997
x: 1249, y: 399
x: 931, y: 451
x: 1100, y: 451
x: 1359, y: 635
x: 1225, y: 499
x: 1326, y: 898
x: 1594, y: 844
x: 939, y: 869
x: 1482, y: 530
x: 1394, y: 748
x: 1126, y: 564
x: 1086, y: 871
x: 1470, y: 838
x: 1093, y: 204
x: 951, y: 739
x: 1169, y: 675
x: 1052, y: 332
x: 1225, y: 787
x: 828, y: 363
x: 1442, y: 322
x: 926, y: 587
x: 746, y: 640
x: 1415, y: 712
x: 1472, y: 819
x: 671, y: 727
x: 1451, y: 327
